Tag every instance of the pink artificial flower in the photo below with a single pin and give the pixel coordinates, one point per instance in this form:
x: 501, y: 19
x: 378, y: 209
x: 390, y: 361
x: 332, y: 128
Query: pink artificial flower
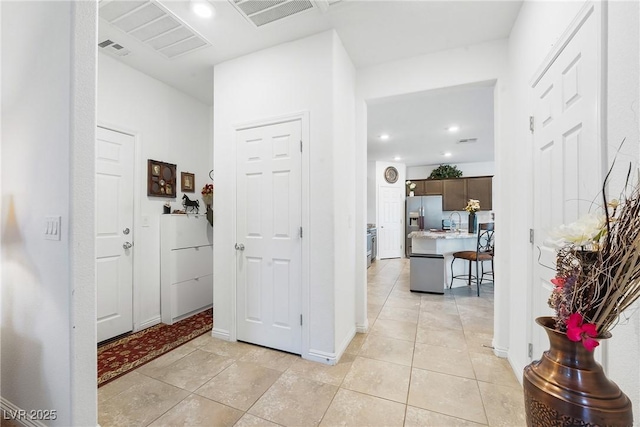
x: 558, y: 281
x: 585, y: 332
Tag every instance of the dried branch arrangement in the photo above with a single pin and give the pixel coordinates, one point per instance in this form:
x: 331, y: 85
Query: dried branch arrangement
x: 598, y: 267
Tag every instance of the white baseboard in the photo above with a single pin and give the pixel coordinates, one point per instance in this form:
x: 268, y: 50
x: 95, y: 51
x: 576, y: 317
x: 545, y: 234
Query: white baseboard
x: 321, y: 356
x: 331, y: 358
x: 17, y: 415
x: 148, y: 323
x: 221, y: 333
x: 364, y: 328
x: 502, y: 352
x: 517, y: 371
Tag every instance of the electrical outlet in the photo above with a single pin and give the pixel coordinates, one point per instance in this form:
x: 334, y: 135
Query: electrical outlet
x: 52, y: 227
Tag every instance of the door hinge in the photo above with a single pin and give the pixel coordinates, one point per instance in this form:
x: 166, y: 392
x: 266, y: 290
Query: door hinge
x: 531, y: 123
x: 301, y: 232
x: 531, y: 235
x: 301, y: 146
x: 530, y: 350
x: 301, y: 320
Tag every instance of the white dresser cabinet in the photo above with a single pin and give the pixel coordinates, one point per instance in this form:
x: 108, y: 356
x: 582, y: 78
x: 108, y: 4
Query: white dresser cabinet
x: 186, y: 266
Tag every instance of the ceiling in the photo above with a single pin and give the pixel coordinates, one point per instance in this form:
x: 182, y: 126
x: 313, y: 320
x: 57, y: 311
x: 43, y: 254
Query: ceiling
x: 372, y: 31
x: 417, y: 125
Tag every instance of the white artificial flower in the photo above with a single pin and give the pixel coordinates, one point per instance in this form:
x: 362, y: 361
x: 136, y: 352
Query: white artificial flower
x: 586, y: 230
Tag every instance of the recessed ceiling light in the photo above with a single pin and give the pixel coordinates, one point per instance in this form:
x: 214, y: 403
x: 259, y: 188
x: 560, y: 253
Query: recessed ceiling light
x: 384, y: 136
x: 202, y: 8
x: 447, y: 154
x: 453, y: 128
x: 396, y: 158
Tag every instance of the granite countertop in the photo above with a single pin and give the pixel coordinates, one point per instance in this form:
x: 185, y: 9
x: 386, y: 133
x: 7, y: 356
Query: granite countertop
x: 441, y: 235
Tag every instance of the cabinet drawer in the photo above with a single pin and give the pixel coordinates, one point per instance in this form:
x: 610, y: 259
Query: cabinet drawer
x: 191, y: 295
x: 190, y: 230
x: 191, y: 263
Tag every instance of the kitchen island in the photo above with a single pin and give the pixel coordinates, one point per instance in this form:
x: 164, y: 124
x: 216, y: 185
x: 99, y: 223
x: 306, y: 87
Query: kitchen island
x: 445, y: 243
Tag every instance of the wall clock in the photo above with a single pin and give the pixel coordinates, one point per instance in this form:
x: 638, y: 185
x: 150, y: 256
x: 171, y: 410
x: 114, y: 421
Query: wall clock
x: 391, y: 175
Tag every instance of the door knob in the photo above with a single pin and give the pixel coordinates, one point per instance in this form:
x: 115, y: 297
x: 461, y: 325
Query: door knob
x: 127, y: 245
x: 239, y: 247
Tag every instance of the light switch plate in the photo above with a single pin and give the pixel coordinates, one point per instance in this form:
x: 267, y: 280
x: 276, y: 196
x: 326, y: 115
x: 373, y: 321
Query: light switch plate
x: 52, y: 227
x: 144, y: 220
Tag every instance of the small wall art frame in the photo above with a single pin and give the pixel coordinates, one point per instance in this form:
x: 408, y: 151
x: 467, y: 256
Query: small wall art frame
x: 161, y: 179
x: 187, y: 181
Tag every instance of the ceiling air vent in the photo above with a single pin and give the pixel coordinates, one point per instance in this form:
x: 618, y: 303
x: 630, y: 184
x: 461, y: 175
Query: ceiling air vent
x: 467, y: 141
x: 109, y: 46
x: 152, y: 24
x: 262, y: 12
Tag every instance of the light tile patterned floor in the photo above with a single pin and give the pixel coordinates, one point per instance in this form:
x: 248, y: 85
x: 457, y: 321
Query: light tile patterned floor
x: 426, y: 361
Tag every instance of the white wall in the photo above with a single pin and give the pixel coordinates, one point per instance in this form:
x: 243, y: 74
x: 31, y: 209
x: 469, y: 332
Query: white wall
x: 539, y: 26
x: 471, y: 64
x: 288, y: 79
x: 623, y: 94
x: 371, y: 193
x: 48, y: 119
x: 344, y: 75
x: 468, y: 169
x: 169, y: 126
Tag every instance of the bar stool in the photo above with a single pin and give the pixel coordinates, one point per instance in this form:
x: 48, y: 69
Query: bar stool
x: 484, y: 252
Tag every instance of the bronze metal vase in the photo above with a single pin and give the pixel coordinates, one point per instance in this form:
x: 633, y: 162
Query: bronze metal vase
x: 567, y: 387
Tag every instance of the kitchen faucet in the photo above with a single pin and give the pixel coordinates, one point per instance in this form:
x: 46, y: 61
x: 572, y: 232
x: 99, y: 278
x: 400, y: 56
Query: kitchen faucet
x: 455, y: 225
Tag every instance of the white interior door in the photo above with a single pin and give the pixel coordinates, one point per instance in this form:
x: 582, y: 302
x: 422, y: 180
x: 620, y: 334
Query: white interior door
x: 114, y: 232
x: 567, y: 152
x: 268, y: 236
x: 391, y: 218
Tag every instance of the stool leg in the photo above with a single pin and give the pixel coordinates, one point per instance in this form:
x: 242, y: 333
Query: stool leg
x: 478, y: 279
x: 470, y: 264
x: 451, y: 284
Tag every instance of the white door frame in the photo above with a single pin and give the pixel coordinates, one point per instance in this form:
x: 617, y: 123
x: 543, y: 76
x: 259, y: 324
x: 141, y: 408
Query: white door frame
x: 598, y: 10
x: 303, y: 116
x: 137, y: 195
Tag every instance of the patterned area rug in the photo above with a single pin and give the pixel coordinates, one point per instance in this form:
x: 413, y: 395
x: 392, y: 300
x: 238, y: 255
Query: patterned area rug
x: 119, y: 357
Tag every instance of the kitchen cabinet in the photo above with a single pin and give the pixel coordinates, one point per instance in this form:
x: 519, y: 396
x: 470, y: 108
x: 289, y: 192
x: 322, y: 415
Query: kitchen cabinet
x: 480, y: 188
x: 427, y: 187
x: 432, y: 187
x: 454, y: 194
x: 419, y: 190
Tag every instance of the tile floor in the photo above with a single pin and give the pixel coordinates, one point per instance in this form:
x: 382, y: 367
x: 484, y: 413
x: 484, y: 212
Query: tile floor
x: 425, y: 362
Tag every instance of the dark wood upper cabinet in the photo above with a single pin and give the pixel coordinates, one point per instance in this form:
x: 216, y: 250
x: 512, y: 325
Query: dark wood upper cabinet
x: 457, y: 192
x: 419, y: 190
x: 454, y: 194
x: 481, y: 189
x: 433, y: 187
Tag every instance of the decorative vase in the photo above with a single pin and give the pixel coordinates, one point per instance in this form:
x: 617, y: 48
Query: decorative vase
x: 567, y: 387
x: 210, y: 215
x: 472, y: 222
x: 410, y: 193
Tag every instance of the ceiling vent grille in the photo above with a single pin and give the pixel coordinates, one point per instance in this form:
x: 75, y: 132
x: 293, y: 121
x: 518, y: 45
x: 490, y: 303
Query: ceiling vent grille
x: 467, y: 141
x: 113, y: 48
x: 262, y: 12
x: 152, y: 24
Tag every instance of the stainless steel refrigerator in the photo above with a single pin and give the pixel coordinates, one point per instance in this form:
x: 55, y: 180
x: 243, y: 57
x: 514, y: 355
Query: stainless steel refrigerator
x: 425, y: 211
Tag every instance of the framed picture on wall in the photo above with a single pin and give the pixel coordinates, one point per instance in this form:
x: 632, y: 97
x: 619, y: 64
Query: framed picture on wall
x: 187, y: 181
x: 161, y: 179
